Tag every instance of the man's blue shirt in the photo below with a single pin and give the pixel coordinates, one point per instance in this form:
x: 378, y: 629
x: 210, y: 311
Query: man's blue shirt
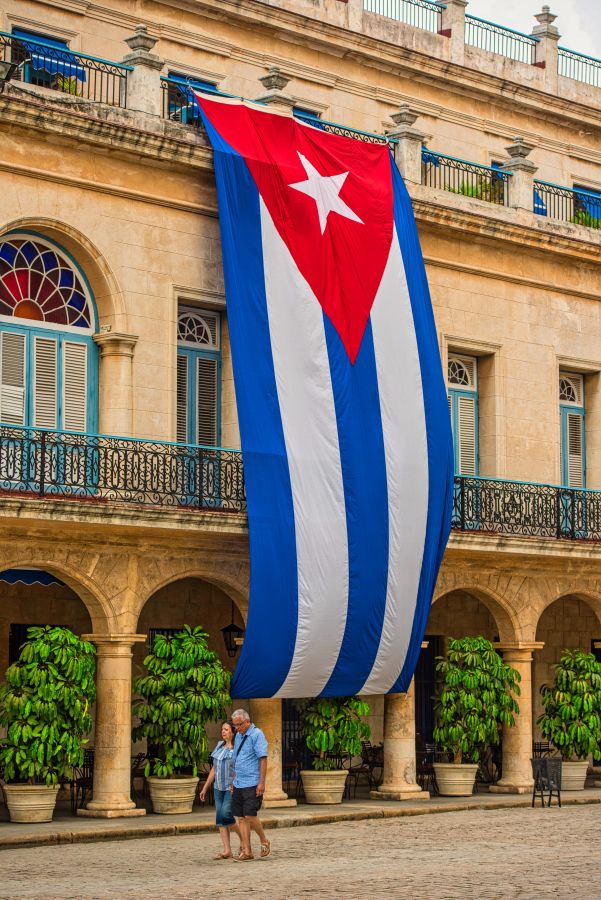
x: 246, y: 759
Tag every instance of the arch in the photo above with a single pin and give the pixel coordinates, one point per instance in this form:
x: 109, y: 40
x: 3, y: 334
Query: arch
x: 232, y: 587
x: 591, y: 599
x: 97, y: 604
x: 103, y: 284
x: 497, y: 605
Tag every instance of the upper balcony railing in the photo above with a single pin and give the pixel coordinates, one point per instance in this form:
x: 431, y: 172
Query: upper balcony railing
x: 179, y: 104
x: 35, y: 462
x: 567, y: 204
x: 42, y: 463
x: 520, y: 508
x: 579, y: 67
x: 44, y: 65
x: 461, y: 177
x: 502, y: 41
x: 419, y: 13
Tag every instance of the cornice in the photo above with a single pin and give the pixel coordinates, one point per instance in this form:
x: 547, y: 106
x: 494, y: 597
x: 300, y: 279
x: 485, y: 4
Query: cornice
x: 117, y: 130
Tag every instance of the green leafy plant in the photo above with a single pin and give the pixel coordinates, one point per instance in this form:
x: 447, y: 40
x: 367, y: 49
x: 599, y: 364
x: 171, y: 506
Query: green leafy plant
x: 476, y: 697
x: 68, y: 84
x: 489, y: 189
x: 572, y: 706
x: 44, y: 706
x: 583, y: 217
x: 185, y: 686
x: 334, y: 729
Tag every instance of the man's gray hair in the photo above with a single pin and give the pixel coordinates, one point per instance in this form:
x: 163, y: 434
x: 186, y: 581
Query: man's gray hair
x: 241, y: 714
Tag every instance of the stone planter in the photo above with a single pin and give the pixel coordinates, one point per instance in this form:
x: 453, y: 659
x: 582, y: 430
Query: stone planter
x: 455, y: 779
x: 573, y: 775
x: 172, y: 795
x: 324, y: 787
x: 30, y: 802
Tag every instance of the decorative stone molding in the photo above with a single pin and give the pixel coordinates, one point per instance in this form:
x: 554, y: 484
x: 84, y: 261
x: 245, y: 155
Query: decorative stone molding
x: 522, y: 171
x: 274, y: 82
x: 547, y: 37
x: 453, y: 27
x: 408, y: 150
x: 143, y: 83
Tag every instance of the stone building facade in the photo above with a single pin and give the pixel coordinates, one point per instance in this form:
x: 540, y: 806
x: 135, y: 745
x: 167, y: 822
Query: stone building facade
x: 114, y: 348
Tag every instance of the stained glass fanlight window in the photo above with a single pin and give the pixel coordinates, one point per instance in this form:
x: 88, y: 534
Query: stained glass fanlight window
x: 37, y: 282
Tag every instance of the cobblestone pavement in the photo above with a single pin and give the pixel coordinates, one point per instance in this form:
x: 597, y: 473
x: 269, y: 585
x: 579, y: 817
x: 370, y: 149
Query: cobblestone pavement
x: 516, y: 853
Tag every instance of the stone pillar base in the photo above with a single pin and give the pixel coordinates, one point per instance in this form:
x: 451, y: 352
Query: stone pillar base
x: 406, y: 794
x: 111, y: 813
x: 508, y: 788
x: 278, y: 803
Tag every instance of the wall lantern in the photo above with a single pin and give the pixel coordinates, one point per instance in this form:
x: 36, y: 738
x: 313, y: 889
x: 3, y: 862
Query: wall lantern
x: 231, y: 636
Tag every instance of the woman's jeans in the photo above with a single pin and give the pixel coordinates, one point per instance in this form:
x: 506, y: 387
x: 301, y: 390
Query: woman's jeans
x: 223, y: 808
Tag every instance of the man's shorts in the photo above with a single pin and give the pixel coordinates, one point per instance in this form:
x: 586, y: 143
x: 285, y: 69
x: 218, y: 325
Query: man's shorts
x: 245, y: 801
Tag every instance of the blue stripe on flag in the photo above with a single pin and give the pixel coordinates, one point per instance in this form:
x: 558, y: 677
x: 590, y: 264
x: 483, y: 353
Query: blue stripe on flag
x: 363, y: 463
x: 438, y: 426
x: 270, y: 635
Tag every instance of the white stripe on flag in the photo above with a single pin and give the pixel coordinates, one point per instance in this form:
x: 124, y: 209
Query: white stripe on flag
x: 406, y: 452
x: 302, y: 373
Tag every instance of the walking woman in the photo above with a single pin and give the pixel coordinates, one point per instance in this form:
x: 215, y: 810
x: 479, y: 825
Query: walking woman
x: 222, y: 773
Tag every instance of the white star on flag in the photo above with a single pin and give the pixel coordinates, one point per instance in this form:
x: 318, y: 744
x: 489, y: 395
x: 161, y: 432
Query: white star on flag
x: 325, y: 190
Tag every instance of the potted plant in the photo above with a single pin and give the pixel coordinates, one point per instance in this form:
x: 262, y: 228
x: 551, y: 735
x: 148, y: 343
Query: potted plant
x: 44, y: 705
x: 475, y: 698
x: 185, y: 686
x: 334, y: 729
x: 572, y: 714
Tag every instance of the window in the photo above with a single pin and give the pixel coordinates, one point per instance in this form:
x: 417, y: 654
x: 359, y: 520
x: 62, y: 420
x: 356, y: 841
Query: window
x: 463, y: 408
x: 45, y: 61
x: 47, y: 356
x: 571, y: 411
x: 198, y: 376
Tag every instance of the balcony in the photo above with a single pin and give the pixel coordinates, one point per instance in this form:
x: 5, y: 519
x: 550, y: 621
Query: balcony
x: 52, y: 465
x: 458, y: 176
x: 41, y: 64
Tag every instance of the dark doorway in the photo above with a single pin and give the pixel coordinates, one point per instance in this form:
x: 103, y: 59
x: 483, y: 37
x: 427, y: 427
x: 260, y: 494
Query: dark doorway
x: 425, y: 690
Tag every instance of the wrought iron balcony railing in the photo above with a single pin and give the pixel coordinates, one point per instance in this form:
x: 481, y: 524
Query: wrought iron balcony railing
x: 567, y: 204
x: 46, y: 65
x: 63, y: 464
x: 520, y: 508
x: 500, y: 40
x: 419, y: 13
x: 461, y: 177
x: 579, y: 67
x: 35, y: 462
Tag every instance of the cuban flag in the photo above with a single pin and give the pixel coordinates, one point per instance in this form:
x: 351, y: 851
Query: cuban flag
x: 342, y: 406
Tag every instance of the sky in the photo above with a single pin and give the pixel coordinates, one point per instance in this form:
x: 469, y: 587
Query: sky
x: 578, y: 21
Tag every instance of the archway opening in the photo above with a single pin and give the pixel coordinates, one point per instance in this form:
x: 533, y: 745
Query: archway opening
x: 569, y: 623
x: 189, y: 601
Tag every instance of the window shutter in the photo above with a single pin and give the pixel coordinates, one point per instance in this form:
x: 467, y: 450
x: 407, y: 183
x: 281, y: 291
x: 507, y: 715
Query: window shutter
x: 182, y: 400
x: 75, y: 386
x: 12, y: 378
x: 44, y: 395
x: 574, y: 432
x: 466, y: 435
x: 206, y: 427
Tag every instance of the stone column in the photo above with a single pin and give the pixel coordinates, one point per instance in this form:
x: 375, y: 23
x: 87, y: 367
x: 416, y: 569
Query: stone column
x: 546, y: 47
x: 399, y: 782
x: 112, y: 759
x: 408, y: 150
x: 453, y: 27
x: 274, y: 82
x: 522, y: 171
x: 267, y: 715
x: 144, y: 82
x: 116, y: 400
x: 517, y: 741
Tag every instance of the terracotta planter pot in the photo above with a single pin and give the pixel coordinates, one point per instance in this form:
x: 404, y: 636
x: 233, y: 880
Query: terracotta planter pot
x: 573, y: 775
x: 455, y: 779
x: 324, y: 787
x: 172, y: 795
x: 30, y: 802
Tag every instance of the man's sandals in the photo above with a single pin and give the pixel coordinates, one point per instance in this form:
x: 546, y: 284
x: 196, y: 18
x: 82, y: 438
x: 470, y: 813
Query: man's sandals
x: 245, y: 857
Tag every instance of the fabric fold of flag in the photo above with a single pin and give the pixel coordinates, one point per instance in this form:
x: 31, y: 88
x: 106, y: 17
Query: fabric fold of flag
x: 341, y: 403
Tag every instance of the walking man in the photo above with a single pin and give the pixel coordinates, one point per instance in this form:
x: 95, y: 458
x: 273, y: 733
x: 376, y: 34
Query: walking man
x: 250, y: 768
